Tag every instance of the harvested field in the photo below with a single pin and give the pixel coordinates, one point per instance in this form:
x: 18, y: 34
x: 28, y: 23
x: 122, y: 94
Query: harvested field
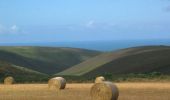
x: 128, y: 91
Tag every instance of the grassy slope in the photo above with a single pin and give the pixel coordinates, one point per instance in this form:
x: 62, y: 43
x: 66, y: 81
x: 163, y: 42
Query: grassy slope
x: 45, y: 59
x: 131, y: 60
x: 18, y: 72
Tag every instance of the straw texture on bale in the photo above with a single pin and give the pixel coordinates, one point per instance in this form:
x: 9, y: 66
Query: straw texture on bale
x: 57, y: 82
x: 99, y: 79
x: 104, y: 91
x: 8, y: 80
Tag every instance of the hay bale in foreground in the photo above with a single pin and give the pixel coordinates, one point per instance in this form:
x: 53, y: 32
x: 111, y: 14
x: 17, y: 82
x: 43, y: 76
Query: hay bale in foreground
x: 57, y: 82
x: 99, y: 79
x: 8, y: 80
x: 104, y: 91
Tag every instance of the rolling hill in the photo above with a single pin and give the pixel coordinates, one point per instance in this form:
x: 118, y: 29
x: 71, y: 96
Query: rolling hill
x: 19, y: 73
x: 48, y: 60
x: 143, y: 59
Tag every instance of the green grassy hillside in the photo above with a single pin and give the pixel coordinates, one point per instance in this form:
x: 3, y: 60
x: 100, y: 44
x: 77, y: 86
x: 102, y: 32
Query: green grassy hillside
x: 19, y: 73
x: 47, y: 60
x: 131, y: 60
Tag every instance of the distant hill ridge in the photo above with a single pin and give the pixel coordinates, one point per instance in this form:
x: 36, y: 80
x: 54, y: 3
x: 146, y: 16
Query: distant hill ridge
x: 48, y: 60
x: 131, y: 60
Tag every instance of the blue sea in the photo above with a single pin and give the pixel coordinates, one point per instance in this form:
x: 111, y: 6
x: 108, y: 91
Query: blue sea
x: 97, y: 45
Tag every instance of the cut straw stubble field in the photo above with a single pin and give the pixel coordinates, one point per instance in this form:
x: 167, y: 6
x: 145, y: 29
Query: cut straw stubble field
x: 128, y: 91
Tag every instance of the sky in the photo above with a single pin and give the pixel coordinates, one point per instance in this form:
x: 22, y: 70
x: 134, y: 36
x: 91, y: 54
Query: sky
x: 23, y: 21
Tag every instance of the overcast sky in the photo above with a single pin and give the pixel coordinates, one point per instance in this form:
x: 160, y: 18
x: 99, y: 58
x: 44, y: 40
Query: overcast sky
x: 83, y: 20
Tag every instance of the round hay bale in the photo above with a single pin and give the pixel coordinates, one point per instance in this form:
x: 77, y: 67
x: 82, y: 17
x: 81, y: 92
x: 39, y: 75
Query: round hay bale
x: 57, y: 82
x: 104, y: 91
x: 99, y: 79
x: 8, y: 80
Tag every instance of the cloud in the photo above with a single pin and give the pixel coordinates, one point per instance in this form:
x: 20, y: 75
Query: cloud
x: 90, y: 24
x: 100, y: 25
x: 2, y: 29
x: 9, y: 30
x: 14, y: 28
